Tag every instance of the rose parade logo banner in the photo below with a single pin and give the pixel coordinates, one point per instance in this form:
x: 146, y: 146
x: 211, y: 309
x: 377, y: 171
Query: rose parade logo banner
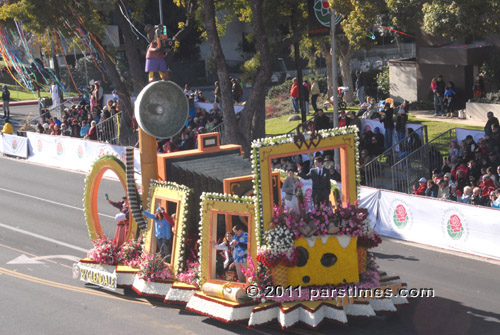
x: 454, y: 226
x: 399, y: 212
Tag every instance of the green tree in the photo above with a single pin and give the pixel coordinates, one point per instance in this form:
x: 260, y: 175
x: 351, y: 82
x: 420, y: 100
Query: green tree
x: 91, y: 17
x: 276, y: 25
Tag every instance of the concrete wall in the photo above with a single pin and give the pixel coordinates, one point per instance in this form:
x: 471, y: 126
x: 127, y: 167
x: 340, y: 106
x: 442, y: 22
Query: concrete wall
x: 477, y: 111
x: 403, y: 80
x: 460, y: 75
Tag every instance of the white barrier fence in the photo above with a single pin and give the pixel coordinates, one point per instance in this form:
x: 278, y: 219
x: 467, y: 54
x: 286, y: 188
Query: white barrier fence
x: 462, y: 133
x: 372, y: 124
x: 73, y: 153
x: 440, y: 223
x: 14, y: 145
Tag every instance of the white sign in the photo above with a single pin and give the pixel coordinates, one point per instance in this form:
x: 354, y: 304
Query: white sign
x: 98, y: 277
x: 441, y: 223
x: 74, y: 153
x: 15, y: 145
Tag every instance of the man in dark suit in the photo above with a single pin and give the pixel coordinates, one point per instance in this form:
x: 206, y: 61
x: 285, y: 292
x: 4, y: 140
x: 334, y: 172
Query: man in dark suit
x: 321, y: 182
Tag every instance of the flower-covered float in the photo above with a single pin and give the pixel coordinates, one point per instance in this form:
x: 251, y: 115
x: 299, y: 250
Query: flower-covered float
x: 237, y: 254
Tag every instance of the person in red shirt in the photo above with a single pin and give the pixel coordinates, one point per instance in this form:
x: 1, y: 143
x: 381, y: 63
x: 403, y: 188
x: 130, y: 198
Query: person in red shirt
x: 487, y: 186
x: 344, y: 121
x: 294, y: 94
x: 422, y: 185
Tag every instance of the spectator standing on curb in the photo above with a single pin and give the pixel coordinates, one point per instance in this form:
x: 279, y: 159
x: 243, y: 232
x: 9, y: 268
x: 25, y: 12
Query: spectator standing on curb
x: 314, y: 94
x: 449, y: 98
x: 217, y: 92
x: 438, y: 88
x: 294, y: 95
x: 6, y: 100
x: 306, y: 91
x: 360, y: 87
x: 386, y: 117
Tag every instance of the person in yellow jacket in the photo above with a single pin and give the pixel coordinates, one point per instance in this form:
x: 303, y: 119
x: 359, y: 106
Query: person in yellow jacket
x: 7, y: 128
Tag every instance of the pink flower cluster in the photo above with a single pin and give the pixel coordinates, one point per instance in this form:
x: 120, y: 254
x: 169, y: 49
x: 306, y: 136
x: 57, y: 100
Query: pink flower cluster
x: 152, y: 267
x: 130, y: 253
x: 104, y: 251
x: 191, y: 275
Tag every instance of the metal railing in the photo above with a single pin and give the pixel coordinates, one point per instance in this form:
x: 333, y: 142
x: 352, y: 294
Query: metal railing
x: 220, y: 129
x: 377, y: 172
x: 403, y: 174
x: 109, y: 130
x: 56, y: 111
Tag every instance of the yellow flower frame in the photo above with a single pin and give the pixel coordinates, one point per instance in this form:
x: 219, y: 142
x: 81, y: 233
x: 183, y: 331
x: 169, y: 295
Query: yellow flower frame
x: 208, y: 232
x: 171, y: 193
x: 345, y: 140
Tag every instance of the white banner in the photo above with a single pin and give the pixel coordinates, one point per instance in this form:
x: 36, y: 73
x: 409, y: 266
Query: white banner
x: 461, y: 133
x: 14, y: 145
x: 372, y: 124
x: 445, y: 224
x: 74, y: 153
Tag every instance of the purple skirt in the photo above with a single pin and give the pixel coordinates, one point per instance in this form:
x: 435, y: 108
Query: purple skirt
x: 156, y: 65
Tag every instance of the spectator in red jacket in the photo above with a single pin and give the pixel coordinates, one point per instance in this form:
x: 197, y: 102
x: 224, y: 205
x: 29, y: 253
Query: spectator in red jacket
x: 294, y: 94
x: 487, y: 186
x: 422, y: 186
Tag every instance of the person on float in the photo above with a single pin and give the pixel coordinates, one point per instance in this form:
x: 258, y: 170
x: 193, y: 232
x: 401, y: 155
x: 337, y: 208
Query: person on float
x: 163, y: 231
x: 240, y: 244
x: 122, y: 219
x: 228, y: 250
x: 321, y: 182
x: 155, y: 56
x: 290, y: 188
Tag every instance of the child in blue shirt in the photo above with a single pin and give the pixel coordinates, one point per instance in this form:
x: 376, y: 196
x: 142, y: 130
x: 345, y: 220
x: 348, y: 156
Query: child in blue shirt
x: 449, y: 95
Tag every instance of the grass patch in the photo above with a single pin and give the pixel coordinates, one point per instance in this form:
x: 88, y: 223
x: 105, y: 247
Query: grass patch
x: 18, y: 93
x: 435, y: 128
x: 277, y: 125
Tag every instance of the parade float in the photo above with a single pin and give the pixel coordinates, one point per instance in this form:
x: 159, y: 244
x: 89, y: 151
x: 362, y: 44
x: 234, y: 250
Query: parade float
x: 306, y: 266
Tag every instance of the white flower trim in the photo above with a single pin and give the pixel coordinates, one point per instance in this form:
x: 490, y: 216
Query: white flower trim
x: 219, y: 311
x: 263, y: 316
x: 125, y: 279
x: 382, y: 305
x: 359, y: 310
x: 151, y: 288
x: 176, y: 295
x: 289, y: 138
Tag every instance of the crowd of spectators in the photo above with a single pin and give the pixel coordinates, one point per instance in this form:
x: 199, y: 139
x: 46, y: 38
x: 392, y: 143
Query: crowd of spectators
x: 83, y: 120
x: 471, y: 172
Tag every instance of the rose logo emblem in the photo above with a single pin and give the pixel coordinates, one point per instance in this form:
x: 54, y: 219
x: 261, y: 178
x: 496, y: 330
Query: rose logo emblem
x: 80, y: 151
x: 59, y: 148
x: 455, y: 227
x: 14, y: 144
x: 400, y: 216
x: 39, y: 145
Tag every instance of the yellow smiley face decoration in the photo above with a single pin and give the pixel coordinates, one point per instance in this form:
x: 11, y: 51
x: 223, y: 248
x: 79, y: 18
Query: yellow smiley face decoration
x: 325, y: 260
